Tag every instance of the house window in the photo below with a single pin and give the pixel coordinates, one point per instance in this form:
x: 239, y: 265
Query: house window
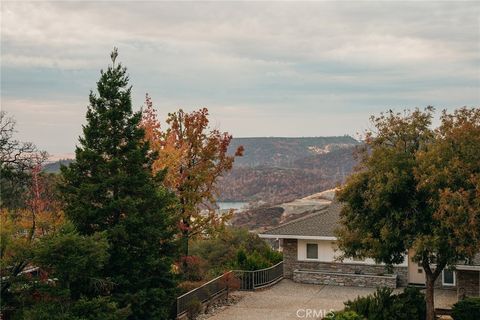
x: 448, y: 277
x: 312, y: 251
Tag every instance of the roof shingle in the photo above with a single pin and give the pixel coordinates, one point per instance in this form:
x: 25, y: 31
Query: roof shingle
x: 318, y: 224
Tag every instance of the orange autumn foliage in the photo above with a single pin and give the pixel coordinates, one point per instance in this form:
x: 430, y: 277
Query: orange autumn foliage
x: 193, y: 157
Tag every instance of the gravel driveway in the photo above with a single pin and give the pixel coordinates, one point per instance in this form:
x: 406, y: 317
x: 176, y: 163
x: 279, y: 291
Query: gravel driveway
x: 289, y: 300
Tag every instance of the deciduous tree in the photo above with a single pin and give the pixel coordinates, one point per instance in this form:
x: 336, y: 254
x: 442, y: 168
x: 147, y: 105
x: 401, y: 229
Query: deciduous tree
x: 193, y: 157
x: 17, y: 159
x: 19, y: 168
x: 415, y: 188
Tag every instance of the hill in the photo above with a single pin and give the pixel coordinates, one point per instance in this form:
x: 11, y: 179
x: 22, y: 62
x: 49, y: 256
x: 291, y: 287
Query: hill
x: 304, y: 176
x: 276, y: 170
x: 283, y: 152
x: 54, y: 167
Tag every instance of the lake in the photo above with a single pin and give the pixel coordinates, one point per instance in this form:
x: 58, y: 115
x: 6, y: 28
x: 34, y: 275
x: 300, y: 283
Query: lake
x: 237, y: 206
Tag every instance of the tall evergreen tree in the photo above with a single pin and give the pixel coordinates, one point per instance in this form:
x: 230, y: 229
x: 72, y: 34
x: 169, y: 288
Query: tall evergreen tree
x: 110, y: 188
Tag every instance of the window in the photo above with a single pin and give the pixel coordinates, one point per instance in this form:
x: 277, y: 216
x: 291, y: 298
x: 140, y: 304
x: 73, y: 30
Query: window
x: 312, y: 251
x: 448, y: 277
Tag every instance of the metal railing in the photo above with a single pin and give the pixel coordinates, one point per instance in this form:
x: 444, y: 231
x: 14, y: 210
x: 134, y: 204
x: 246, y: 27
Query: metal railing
x: 203, y: 293
x: 249, y: 280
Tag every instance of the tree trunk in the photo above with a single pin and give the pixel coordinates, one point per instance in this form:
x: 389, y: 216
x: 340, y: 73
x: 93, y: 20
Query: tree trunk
x: 429, y: 296
x: 185, y: 243
x: 185, y: 250
x: 430, y: 277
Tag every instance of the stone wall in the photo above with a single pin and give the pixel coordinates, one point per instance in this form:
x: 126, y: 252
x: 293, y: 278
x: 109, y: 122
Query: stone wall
x: 290, y: 263
x: 344, y: 279
x: 290, y: 247
x: 468, y: 283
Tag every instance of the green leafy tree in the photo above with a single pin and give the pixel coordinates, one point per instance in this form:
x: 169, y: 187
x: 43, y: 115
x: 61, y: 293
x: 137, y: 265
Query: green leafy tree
x: 110, y: 188
x: 66, y: 282
x: 75, y: 260
x: 416, y: 188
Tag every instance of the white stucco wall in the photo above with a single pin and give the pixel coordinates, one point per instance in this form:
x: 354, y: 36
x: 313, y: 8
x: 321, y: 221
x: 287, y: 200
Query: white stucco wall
x: 329, y: 252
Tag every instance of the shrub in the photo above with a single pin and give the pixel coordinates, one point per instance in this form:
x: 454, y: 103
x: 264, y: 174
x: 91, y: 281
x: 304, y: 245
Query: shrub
x: 99, y: 308
x: 231, y: 282
x: 253, y: 261
x: 83, y: 309
x: 186, y: 286
x: 344, y: 315
x: 194, y: 307
x: 408, y: 305
x: 467, y: 309
x: 222, y: 252
x: 192, y: 268
x: 373, y: 307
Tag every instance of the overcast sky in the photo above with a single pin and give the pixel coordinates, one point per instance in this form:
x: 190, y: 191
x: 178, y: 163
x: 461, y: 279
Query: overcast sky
x: 262, y: 69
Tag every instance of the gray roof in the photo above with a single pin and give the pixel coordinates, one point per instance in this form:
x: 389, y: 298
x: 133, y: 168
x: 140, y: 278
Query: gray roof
x: 475, y: 261
x: 321, y: 223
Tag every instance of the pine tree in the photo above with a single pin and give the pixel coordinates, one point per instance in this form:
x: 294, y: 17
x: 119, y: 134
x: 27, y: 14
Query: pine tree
x: 110, y: 188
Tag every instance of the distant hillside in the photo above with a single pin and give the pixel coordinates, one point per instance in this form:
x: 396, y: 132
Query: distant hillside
x: 283, y: 152
x: 54, y: 167
x: 305, y: 176
x: 276, y: 170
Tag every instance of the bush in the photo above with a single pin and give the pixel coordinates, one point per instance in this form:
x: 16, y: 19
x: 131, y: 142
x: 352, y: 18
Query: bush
x: 344, y: 315
x: 222, y: 251
x: 253, y: 261
x: 186, y: 286
x: 192, y: 268
x: 373, y: 307
x: 83, y: 309
x: 467, y: 309
x: 408, y: 305
x: 194, y: 308
x: 231, y: 282
x: 99, y: 308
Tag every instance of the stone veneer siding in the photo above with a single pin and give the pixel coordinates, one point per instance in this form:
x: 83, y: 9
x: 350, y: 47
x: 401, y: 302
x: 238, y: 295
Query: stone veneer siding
x: 468, y: 283
x: 290, y: 263
x: 344, y: 279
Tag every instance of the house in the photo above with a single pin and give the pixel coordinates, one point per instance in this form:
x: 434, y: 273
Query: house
x: 311, y: 255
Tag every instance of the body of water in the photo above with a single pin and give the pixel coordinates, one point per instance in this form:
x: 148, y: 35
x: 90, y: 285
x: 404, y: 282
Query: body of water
x: 237, y: 206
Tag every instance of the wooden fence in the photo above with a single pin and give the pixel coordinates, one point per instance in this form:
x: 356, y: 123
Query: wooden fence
x: 249, y: 280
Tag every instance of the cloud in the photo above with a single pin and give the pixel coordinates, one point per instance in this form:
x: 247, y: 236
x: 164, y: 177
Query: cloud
x: 272, y: 61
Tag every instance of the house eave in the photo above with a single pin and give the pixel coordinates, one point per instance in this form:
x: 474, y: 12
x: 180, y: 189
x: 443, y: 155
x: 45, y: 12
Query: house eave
x: 467, y: 267
x: 288, y: 236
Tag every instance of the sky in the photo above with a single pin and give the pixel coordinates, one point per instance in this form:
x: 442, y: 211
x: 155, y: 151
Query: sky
x: 262, y: 68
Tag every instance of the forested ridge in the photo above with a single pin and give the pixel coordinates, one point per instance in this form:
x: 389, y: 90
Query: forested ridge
x: 275, y: 169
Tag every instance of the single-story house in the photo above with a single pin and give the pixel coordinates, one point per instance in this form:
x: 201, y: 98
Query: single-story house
x: 310, y: 255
